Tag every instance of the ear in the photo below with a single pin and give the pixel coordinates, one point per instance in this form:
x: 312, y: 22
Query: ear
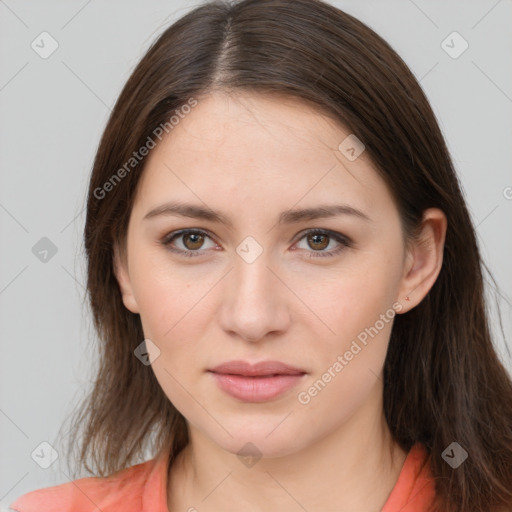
x: 424, y: 258
x: 123, y: 279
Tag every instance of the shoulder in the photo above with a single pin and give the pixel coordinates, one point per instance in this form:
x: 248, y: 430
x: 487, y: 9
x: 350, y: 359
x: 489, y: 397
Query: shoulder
x: 123, y: 490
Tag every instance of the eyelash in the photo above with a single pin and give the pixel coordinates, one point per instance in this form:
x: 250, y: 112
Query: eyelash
x: 344, y: 242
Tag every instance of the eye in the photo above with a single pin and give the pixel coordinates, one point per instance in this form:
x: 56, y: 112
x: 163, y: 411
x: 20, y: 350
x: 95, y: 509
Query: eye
x: 320, y: 239
x: 192, y: 242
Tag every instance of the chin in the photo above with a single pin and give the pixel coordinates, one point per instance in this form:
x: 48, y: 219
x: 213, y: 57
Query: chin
x: 257, y: 443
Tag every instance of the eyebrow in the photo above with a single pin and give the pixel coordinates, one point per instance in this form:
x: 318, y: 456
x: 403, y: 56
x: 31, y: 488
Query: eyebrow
x: 291, y: 216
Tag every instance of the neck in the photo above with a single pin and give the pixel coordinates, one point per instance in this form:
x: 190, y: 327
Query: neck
x: 353, y: 468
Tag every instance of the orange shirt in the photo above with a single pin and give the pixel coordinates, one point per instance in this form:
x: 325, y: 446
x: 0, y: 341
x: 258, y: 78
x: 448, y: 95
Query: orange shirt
x: 143, y: 488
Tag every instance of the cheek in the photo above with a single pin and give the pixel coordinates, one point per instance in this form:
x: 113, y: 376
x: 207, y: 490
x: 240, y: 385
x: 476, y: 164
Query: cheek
x: 356, y: 305
x: 348, y: 362
x: 167, y: 294
x: 353, y: 299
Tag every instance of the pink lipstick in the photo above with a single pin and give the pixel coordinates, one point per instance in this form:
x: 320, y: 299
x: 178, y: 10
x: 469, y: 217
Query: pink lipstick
x: 260, y: 382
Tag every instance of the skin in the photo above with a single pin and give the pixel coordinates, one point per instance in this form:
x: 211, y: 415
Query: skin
x: 251, y: 157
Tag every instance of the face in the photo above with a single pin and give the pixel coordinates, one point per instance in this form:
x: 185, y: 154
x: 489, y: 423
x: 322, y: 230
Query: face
x: 265, y: 282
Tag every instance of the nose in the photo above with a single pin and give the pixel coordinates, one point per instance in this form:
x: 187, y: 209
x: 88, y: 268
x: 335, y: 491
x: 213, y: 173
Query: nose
x: 254, y: 301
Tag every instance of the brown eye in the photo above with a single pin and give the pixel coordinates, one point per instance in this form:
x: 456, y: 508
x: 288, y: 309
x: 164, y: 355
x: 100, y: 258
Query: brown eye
x: 188, y: 242
x: 318, y: 241
x: 193, y: 241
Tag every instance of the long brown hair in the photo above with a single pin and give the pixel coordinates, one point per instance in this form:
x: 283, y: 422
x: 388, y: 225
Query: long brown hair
x: 443, y: 381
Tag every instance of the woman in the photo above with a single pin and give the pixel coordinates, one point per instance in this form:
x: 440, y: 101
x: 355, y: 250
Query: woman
x: 286, y: 284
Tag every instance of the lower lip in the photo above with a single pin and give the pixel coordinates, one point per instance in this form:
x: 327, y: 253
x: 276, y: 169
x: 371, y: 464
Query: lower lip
x: 256, y: 389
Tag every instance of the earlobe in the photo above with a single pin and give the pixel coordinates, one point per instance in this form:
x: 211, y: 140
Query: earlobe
x: 424, y: 260
x: 123, y: 279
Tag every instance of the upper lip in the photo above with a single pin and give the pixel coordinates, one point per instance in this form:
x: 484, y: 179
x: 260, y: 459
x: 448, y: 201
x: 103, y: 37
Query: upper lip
x: 262, y: 368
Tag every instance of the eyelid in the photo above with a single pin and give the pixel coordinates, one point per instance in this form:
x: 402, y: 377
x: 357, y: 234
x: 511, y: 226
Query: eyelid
x: 344, y: 241
x: 166, y: 240
x: 340, y: 237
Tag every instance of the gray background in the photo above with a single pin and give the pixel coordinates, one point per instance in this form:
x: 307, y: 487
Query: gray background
x: 53, y: 112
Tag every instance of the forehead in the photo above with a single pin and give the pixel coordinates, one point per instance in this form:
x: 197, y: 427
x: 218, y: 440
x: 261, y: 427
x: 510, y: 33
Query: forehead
x: 256, y: 149
x: 257, y: 124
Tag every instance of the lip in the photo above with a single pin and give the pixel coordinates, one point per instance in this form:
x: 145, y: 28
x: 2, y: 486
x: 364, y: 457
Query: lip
x: 261, y: 369
x: 256, y: 383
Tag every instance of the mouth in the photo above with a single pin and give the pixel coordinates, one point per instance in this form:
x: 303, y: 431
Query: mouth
x: 261, y: 382
x: 261, y: 369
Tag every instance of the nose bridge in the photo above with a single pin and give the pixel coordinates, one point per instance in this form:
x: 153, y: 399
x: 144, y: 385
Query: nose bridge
x: 252, y: 278
x: 253, y: 304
